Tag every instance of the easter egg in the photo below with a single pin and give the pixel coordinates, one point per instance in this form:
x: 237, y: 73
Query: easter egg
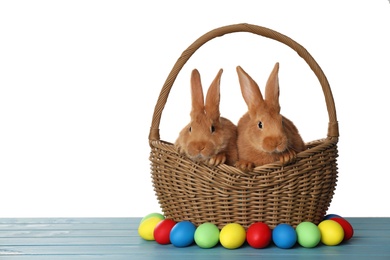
x: 155, y: 214
x: 347, y: 227
x: 332, y: 232
x: 258, y: 235
x: 182, y: 234
x: 308, y: 234
x: 163, y: 230
x: 232, y: 236
x: 206, y: 235
x: 146, y: 228
x: 284, y: 236
x: 329, y: 216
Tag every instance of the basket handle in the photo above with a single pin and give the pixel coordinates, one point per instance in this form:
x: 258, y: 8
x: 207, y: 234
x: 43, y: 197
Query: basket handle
x: 333, y: 130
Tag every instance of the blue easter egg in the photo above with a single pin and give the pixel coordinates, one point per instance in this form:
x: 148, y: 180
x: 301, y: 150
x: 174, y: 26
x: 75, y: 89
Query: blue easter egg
x: 284, y: 236
x: 329, y: 216
x: 182, y: 234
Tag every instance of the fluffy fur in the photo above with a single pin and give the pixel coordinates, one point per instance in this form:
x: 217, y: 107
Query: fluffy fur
x: 208, y: 138
x: 264, y: 135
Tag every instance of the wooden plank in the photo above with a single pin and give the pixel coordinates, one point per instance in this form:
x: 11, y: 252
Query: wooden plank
x: 64, y: 233
x: 117, y: 238
x: 193, y: 252
x: 69, y: 220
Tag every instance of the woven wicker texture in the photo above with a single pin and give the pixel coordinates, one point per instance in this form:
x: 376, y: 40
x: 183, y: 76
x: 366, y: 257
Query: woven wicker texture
x: 273, y: 193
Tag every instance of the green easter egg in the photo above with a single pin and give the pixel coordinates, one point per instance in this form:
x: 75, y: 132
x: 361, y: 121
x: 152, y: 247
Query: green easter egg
x: 309, y: 234
x: 155, y: 214
x: 206, y: 235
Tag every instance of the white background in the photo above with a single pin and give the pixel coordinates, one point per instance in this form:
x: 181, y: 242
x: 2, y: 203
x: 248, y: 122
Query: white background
x: 79, y: 81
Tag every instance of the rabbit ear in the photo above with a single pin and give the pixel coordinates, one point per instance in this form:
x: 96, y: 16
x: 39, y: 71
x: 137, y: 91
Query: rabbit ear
x: 213, y: 97
x: 272, y: 89
x: 196, y: 92
x: 250, y: 90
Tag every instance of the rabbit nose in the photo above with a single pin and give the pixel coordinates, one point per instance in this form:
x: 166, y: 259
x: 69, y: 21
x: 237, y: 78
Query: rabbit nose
x: 197, y: 147
x: 272, y: 144
x: 200, y: 147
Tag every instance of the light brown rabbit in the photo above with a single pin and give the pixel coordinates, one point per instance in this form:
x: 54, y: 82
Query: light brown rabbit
x: 208, y: 137
x: 264, y: 135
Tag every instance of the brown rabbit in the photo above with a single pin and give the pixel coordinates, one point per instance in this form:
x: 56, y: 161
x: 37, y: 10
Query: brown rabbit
x: 264, y: 135
x: 208, y: 137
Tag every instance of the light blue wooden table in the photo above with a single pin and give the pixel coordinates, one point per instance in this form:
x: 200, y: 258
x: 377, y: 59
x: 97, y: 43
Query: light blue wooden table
x: 117, y: 238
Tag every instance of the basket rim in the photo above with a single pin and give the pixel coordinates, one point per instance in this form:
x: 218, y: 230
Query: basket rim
x: 333, y: 128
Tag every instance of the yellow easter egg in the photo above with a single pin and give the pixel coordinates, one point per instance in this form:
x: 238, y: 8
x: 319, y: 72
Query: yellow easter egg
x: 332, y: 232
x: 232, y: 236
x: 146, y: 227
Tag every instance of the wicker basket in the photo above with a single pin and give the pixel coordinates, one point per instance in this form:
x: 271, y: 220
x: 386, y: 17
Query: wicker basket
x: 272, y: 193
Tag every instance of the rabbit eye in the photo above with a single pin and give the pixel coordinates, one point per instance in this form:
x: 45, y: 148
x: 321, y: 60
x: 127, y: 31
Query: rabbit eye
x: 260, y: 124
x: 212, y: 129
x: 189, y: 129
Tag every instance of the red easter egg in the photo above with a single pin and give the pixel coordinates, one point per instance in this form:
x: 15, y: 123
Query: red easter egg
x: 348, y: 229
x: 162, y: 231
x: 258, y: 235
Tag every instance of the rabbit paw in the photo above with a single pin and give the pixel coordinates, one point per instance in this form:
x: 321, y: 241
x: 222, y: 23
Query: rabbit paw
x: 217, y: 160
x: 245, y: 166
x: 179, y: 149
x: 288, y: 156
